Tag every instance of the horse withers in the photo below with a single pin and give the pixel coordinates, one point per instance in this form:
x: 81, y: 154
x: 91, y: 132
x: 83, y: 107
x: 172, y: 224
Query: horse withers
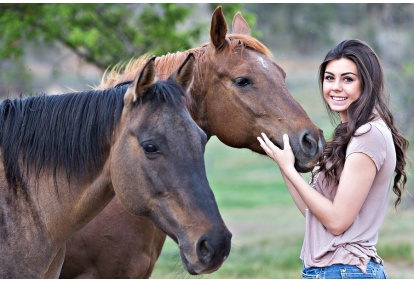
x: 64, y: 157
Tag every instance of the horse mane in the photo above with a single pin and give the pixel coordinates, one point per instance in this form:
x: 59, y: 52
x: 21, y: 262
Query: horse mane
x: 70, y: 132
x: 58, y: 132
x: 168, y: 63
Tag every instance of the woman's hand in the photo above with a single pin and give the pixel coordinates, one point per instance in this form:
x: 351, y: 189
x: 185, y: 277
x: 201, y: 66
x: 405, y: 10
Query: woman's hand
x: 283, y: 157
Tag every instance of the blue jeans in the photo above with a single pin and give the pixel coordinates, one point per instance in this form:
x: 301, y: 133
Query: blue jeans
x: 344, y: 271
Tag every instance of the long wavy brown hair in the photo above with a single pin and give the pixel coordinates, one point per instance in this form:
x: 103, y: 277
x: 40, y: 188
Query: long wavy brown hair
x: 373, y: 97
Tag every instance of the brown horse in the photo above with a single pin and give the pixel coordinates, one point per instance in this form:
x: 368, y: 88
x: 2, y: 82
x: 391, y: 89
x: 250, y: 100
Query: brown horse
x: 66, y: 156
x: 238, y: 92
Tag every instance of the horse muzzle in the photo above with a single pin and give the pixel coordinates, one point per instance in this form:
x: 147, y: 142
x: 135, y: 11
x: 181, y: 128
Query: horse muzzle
x: 307, y: 150
x: 211, y: 250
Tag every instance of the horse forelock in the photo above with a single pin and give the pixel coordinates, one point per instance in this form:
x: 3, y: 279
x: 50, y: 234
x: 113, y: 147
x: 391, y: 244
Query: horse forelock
x: 69, y: 132
x: 247, y: 41
x: 167, y: 92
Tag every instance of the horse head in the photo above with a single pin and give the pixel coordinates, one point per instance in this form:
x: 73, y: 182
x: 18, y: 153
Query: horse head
x: 246, y: 94
x: 157, y: 167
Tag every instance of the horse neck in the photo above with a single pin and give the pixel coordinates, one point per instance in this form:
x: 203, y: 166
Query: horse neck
x: 90, y: 188
x: 68, y: 175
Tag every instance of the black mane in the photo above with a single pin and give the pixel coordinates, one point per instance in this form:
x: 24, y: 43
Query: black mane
x: 58, y: 132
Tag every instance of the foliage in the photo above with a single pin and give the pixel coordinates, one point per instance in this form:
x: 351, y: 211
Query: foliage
x: 102, y: 34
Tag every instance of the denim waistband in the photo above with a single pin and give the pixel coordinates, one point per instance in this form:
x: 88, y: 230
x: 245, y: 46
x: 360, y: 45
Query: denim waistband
x: 344, y: 271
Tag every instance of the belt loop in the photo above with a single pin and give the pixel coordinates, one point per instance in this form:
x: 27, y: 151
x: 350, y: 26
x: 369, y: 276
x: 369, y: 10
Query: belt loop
x: 343, y: 273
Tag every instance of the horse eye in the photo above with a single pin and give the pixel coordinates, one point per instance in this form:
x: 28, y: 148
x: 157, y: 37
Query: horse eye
x: 241, y: 81
x: 150, y: 148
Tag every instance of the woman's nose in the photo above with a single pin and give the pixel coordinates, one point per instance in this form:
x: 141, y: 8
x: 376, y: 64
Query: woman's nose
x: 336, y: 86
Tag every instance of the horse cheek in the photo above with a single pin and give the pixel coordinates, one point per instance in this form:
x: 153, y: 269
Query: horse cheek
x: 125, y: 174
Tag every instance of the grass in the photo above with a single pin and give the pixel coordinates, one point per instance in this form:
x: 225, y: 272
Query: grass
x: 266, y: 225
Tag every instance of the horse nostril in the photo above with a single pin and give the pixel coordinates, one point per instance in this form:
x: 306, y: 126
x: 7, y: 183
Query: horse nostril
x: 308, y: 144
x: 205, y: 251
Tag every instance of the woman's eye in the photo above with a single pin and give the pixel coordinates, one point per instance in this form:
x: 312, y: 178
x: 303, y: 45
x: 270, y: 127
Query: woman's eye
x: 348, y: 80
x: 150, y: 148
x: 329, y: 78
x: 241, y: 81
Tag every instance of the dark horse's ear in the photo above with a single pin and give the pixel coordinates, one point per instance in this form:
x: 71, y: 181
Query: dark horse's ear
x: 240, y: 26
x: 218, y: 29
x: 145, y: 79
x: 185, y: 73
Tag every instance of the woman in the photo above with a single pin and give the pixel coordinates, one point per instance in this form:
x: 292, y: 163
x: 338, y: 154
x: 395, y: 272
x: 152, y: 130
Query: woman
x: 346, y: 201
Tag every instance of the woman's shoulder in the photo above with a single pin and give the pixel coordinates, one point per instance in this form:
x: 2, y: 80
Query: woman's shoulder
x: 371, y: 134
x: 374, y: 139
x: 375, y: 129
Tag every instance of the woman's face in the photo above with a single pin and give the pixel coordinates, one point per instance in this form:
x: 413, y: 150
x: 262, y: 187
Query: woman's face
x: 341, y: 85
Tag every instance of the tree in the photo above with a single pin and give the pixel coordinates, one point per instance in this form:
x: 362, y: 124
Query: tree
x: 102, y: 34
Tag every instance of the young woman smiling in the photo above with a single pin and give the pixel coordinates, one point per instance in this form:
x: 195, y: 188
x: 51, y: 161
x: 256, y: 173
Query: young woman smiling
x: 346, y: 201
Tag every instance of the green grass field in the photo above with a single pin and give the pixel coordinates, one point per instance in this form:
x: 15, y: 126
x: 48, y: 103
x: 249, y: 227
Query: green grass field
x: 267, y: 228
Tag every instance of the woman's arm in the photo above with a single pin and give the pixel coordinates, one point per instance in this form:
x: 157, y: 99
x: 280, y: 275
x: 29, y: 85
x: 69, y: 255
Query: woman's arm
x: 294, y: 194
x: 355, y: 182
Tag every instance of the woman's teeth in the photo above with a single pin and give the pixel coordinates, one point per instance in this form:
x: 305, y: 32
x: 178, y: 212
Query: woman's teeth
x: 339, y: 98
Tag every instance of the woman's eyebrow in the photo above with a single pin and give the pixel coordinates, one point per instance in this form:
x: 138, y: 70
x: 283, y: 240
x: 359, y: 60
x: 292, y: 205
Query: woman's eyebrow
x: 343, y: 74
x: 348, y: 73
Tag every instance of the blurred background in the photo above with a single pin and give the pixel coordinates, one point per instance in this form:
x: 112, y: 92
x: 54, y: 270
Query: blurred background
x: 58, y: 48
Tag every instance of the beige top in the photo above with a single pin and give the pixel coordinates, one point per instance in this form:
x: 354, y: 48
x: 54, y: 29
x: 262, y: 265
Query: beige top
x: 356, y: 246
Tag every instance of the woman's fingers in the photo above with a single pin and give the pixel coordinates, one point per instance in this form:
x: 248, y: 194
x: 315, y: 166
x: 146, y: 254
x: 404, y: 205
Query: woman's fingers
x: 269, y: 143
x: 264, y: 146
x: 266, y: 139
x: 283, y: 157
x: 269, y: 147
x: 286, y: 143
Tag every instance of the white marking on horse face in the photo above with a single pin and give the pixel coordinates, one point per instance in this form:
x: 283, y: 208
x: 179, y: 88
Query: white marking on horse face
x: 260, y: 59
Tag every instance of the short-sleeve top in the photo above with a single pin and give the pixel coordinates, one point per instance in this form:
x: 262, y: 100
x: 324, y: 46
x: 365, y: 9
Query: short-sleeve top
x: 356, y: 246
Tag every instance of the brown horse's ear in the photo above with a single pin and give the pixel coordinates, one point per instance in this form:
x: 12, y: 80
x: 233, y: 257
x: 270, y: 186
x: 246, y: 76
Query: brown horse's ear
x: 218, y: 29
x: 185, y: 73
x: 239, y: 25
x: 145, y: 79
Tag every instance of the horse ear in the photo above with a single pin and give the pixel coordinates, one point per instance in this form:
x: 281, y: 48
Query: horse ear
x: 239, y: 25
x: 218, y: 29
x: 185, y: 73
x: 145, y: 79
